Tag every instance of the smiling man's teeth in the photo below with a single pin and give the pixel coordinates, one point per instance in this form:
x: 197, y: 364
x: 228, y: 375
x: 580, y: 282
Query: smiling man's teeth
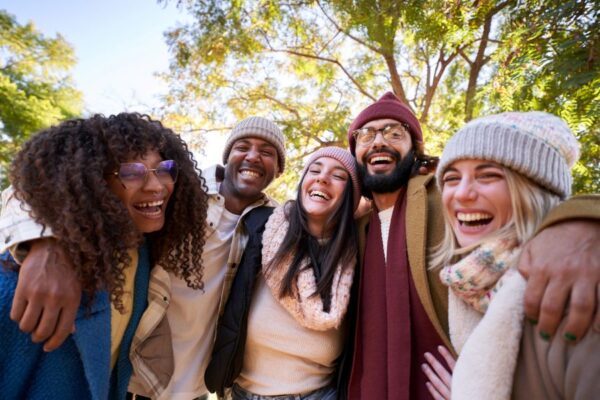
x: 252, y: 174
x: 319, y: 194
x: 471, y: 217
x: 380, y: 159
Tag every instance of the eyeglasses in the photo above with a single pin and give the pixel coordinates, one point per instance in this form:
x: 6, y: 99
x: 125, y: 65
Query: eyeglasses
x: 135, y: 175
x: 392, y: 133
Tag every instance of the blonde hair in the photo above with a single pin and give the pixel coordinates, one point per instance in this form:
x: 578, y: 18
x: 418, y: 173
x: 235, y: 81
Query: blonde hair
x: 530, y: 203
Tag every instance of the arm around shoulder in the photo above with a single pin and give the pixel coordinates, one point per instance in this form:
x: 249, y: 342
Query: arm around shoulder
x: 16, y: 225
x: 562, y: 264
x: 585, y: 206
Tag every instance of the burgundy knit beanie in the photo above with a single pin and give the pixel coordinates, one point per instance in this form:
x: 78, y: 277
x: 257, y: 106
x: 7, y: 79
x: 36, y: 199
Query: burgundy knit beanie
x: 388, y: 106
x: 346, y: 159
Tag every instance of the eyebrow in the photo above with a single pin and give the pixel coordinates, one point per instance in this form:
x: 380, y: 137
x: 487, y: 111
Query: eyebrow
x: 261, y: 146
x: 477, y: 168
x: 488, y: 165
x: 337, y: 167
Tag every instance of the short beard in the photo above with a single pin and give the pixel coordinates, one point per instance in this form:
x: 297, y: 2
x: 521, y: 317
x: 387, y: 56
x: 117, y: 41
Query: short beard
x: 390, y: 182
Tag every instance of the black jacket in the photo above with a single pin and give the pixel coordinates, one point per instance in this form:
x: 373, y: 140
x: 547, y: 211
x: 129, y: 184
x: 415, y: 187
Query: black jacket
x: 228, y: 352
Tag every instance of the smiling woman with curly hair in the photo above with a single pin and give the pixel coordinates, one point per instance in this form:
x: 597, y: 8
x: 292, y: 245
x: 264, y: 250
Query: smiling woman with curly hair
x: 123, y: 197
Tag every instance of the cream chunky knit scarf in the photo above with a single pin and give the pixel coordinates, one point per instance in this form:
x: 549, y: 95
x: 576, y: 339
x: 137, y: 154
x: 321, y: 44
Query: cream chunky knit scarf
x: 305, y: 308
x: 485, y: 314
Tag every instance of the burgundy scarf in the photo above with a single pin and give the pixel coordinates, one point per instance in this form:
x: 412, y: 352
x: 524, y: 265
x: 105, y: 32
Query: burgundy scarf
x: 393, y: 329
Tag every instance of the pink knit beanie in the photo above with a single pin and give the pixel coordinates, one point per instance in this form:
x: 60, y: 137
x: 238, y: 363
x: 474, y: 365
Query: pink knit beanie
x: 388, y: 106
x: 346, y: 159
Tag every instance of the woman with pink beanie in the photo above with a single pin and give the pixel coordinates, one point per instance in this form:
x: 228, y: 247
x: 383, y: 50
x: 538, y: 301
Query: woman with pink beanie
x: 282, y: 331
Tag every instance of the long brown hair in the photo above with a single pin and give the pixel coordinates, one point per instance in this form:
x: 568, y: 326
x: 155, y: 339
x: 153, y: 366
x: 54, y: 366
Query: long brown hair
x: 323, y: 259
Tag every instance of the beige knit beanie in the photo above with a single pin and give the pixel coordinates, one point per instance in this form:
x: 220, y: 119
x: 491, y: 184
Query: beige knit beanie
x: 261, y: 128
x: 536, y: 144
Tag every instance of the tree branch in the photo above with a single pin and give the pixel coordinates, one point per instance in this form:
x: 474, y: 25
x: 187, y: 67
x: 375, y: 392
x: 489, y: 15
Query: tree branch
x: 351, y: 36
x: 329, y: 60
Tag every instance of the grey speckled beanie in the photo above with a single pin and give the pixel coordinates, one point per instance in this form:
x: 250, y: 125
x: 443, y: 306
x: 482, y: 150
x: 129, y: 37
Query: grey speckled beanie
x: 536, y: 144
x: 261, y: 128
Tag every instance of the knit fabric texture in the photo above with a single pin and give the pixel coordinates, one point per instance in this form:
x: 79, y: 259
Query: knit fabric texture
x: 346, y: 159
x: 257, y: 127
x: 306, y: 309
x: 388, y: 106
x: 536, y: 144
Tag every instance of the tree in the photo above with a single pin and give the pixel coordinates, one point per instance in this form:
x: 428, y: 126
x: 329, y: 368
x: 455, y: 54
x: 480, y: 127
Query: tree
x: 311, y: 64
x: 35, y: 85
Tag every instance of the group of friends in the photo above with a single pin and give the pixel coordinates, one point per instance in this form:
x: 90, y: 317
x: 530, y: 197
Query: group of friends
x: 128, y: 273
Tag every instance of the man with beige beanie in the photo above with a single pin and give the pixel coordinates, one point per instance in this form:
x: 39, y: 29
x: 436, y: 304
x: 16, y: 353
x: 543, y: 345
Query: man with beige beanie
x: 254, y: 155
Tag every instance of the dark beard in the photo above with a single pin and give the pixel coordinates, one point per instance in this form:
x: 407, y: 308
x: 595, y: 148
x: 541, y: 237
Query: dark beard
x: 390, y: 182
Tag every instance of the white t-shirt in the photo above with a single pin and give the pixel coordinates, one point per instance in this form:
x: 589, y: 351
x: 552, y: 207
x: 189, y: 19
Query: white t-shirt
x: 385, y: 219
x: 192, y: 314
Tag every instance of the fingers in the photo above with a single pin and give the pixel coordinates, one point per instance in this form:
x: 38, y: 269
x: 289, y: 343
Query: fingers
x: 434, y: 393
x: 46, y: 325
x: 48, y: 293
x: 439, y: 369
x: 436, y: 387
x: 552, y: 308
x: 30, y: 318
x: 18, y: 308
x: 581, y: 311
x: 447, y: 357
x: 64, y: 328
x: 534, y: 292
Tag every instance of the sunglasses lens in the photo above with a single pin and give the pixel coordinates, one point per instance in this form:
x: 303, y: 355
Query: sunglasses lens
x: 132, y: 173
x: 167, y: 171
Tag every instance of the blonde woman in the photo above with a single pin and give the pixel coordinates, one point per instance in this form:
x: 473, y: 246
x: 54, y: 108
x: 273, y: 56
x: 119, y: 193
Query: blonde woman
x: 499, y: 176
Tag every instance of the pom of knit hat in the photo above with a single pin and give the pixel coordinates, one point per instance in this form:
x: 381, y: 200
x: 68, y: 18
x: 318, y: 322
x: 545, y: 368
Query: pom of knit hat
x: 346, y: 159
x: 536, y: 144
x: 388, y: 106
x: 257, y: 127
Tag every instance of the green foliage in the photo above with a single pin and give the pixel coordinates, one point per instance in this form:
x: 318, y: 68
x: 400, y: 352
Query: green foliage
x: 35, y: 89
x: 310, y: 65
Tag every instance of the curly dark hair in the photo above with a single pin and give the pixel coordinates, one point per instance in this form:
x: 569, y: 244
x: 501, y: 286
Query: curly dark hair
x: 61, y: 174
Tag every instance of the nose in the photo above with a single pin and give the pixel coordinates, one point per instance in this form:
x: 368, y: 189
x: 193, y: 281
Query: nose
x: 379, y: 141
x: 322, y: 178
x: 253, y: 154
x: 465, y: 191
x: 152, y: 183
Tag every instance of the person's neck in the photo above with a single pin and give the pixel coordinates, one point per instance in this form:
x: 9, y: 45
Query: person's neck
x: 316, y: 227
x: 383, y: 201
x: 233, y: 202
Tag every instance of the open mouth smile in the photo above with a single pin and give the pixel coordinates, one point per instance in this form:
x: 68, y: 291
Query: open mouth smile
x: 151, y: 208
x: 248, y: 173
x: 376, y: 160
x: 319, y: 194
x: 474, y: 219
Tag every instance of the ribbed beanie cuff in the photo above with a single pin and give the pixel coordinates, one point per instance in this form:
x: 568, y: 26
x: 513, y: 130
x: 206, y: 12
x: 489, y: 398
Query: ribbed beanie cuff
x: 346, y: 159
x: 536, y: 144
x: 261, y: 128
x: 388, y: 106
